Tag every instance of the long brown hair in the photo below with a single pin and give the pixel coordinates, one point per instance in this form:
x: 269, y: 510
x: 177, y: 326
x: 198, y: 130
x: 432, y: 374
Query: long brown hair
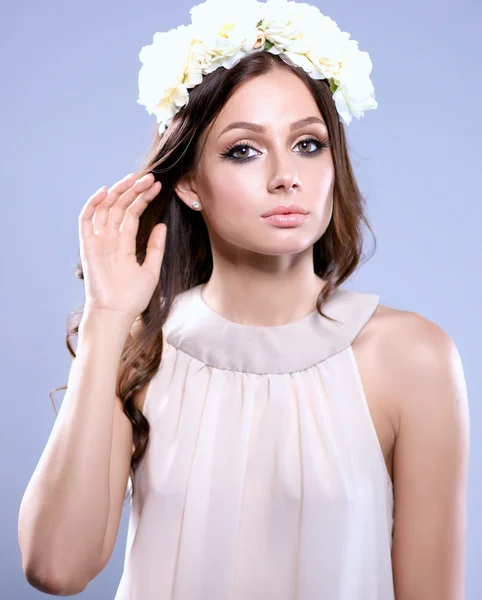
x: 187, y: 257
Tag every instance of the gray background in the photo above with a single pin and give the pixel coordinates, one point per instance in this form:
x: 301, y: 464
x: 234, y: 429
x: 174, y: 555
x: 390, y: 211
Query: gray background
x: 70, y: 124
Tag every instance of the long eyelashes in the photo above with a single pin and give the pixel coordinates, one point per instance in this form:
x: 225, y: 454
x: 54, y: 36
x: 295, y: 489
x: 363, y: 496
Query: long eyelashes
x: 229, y: 154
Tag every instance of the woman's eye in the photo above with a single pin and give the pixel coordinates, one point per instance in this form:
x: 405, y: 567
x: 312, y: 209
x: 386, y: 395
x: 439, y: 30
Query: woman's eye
x: 243, y: 150
x: 307, y: 143
x: 236, y: 149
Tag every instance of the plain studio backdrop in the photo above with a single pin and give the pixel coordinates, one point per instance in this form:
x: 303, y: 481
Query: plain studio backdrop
x: 70, y: 124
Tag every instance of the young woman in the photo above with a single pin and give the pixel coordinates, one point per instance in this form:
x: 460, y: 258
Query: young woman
x: 286, y: 438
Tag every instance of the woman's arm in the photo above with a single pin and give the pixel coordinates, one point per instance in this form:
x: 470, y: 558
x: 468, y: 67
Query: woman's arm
x: 75, y: 496
x: 430, y: 461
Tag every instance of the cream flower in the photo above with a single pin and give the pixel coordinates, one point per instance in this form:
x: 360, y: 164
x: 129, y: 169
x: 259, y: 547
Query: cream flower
x: 199, y: 60
x: 260, y: 40
x: 326, y: 54
x: 224, y: 31
x: 228, y: 29
x: 355, y: 93
x: 294, y: 26
x: 161, y: 87
x: 309, y: 38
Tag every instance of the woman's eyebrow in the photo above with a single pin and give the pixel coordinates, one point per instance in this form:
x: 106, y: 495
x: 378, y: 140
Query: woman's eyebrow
x: 261, y: 129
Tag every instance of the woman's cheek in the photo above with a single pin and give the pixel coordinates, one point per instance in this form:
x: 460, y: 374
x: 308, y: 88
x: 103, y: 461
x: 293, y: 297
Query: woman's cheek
x: 233, y: 196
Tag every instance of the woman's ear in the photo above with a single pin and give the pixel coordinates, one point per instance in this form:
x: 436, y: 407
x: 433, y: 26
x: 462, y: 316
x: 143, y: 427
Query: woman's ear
x: 186, y: 191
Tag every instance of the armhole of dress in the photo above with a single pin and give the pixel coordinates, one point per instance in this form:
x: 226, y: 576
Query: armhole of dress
x: 145, y: 407
x: 374, y: 435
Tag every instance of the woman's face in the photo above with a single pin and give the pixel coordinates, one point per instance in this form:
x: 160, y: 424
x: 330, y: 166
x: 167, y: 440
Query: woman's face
x: 236, y: 186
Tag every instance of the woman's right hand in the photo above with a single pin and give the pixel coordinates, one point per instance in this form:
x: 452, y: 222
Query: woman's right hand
x: 108, y: 225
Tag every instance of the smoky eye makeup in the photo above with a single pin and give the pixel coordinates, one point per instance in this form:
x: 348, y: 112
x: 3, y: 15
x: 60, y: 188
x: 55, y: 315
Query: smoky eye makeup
x: 230, y: 152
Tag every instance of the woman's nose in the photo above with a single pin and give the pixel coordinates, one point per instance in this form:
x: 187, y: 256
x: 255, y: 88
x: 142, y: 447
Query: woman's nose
x: 284, y: 174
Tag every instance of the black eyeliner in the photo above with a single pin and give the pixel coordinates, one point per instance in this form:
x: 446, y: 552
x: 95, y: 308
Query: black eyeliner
x: 228, y: 153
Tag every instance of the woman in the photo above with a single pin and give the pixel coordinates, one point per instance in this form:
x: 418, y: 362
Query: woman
x: 291, y: 439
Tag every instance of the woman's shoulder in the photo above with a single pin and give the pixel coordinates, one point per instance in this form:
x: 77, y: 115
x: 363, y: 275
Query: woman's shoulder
x: 400, y: 349
x: 398, y: 331
x: 404, y: 340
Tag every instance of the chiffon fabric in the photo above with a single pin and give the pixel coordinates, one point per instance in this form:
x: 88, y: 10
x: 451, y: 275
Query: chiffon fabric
x: 264, y: 478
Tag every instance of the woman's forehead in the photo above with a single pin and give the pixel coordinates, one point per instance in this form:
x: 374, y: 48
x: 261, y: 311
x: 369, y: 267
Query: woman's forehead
x: 264, y: 108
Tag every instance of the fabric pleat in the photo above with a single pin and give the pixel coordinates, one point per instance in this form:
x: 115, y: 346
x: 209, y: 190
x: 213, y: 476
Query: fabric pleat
x: 264, y: 478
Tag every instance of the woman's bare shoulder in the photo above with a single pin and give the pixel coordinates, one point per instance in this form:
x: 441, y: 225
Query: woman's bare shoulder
x: 407, y: 348
x: 399, y: 348
x: 400, y: 330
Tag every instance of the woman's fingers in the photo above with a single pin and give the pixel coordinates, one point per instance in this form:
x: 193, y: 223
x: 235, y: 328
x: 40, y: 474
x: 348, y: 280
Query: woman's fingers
x: 113, y: 278
x: 130, y: 223
x: 122, y: 203
x: 106, y: 210
x: 101, y: 216
x: 86, y: 225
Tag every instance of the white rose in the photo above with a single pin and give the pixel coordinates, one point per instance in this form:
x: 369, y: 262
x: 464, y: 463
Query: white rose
x: 309, y: 38
x: 165, y: 64
x: 356, y: 92
x: 326, y: 53
x: 199, y: 60
x: 228, y: 29
x: 291, y: 25
x: 224, y: 31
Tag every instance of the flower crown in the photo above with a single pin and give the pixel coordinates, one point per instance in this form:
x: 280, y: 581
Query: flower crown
x: 224, y: 31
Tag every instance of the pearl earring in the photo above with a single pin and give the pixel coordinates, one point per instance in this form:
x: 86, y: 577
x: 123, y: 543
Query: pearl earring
x: 196, y: 205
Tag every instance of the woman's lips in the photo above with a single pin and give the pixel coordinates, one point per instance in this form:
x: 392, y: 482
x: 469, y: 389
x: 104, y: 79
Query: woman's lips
x: 287, y: 220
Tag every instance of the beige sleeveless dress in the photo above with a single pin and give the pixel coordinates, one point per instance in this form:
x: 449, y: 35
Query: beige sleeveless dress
x: 264, y: 478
